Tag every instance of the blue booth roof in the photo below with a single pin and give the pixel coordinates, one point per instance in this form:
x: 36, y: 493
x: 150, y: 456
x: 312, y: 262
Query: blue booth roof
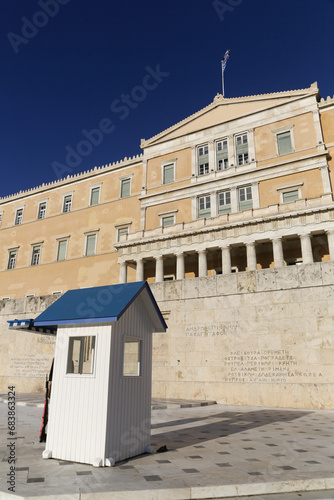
x: 99, y: 305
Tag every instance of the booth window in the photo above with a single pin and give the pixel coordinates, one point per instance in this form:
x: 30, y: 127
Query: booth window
x: 132, y: 357
x: 81, y: 355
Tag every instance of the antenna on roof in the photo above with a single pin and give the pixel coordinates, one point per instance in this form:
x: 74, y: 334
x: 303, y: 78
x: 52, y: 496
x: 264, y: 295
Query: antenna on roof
x: 224, y: 61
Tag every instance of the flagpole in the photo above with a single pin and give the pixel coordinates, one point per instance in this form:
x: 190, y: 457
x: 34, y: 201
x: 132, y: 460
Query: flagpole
x: 224, y: 61
x: 223, y: 86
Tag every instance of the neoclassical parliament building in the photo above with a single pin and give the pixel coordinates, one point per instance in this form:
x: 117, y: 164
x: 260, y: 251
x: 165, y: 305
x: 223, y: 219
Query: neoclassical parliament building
x: 229, y: 216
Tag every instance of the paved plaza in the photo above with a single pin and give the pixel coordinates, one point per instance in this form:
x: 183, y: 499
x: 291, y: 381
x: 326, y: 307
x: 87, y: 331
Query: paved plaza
x: 214, y: 451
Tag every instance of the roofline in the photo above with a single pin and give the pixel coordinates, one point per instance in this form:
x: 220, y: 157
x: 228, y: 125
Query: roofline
x: 221, y: 100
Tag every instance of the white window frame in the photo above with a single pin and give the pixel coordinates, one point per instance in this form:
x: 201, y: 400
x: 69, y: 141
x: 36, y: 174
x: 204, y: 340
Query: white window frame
x: 164, y: 217
x: 282, y: 130
x: 227, y: 160
x: 61, y: 240
x: 121, y: 180
x: 18, y: 209
x: 63, y: 203
x: 246, y: 199
x: 119, y: 230
x: 39, y: 209
x: 292, y: 187
x: 93, y: 233
x: 34, y: 246
x: 245, y: 160
x: 224, y: 192
x: 139, y: 342
x: 81, y: 339
x: 206, y: 197
x: 167, y: 164
x: 91, y: 188
x: 12, y: 251
x: 206, y: 166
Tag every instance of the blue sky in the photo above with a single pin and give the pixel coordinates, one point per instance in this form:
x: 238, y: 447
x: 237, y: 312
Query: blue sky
x: 131, y: 69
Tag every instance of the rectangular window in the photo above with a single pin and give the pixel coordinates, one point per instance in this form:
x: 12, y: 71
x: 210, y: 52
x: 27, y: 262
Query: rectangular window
x: 41, y: 210
x: 90, y: 245
x: 18, y: 216
x: 94, y: 196
x: 122, y: 231
x: 222, y: 154
x: 224, y: 202
x: 36, y: 255
x: 67, y: 203
x: 204, y: 206
x: 80, y: 358
x: 203, y: 159
x: 168, y: 221
x: 168, y: 173
x: 290, y: 196
x: 125, y: 188
x: 12, y: 259
x: 132, y: 357
x: 241, y: 146
x: 284, y: 143
x: 245, y: 198
x: 62, y: 248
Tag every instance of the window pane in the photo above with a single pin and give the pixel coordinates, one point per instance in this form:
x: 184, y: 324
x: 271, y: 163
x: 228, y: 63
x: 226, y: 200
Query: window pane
x: 125, y: 188
x: 90, y: 244
x: 12, y: 260
x: 62, y: 246
x: 36, y: 252
x: 168, y: 174
x: 284, y: 143
x: 19, y: 216
x: 290, y: 196
x: 131, y: 360
x: 168, y: 221
x: 121, y: 232
x: 95, y: 196
x: 67, y: 203
x: 80, y: 358
x: 41, y: 210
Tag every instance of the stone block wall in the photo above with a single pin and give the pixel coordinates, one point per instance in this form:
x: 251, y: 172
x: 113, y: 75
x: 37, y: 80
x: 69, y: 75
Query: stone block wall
x: 262, y: 338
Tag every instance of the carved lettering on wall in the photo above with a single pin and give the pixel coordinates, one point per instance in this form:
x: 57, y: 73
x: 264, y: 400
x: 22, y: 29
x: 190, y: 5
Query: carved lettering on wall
x: 267, y: 366
x: 30, y: 365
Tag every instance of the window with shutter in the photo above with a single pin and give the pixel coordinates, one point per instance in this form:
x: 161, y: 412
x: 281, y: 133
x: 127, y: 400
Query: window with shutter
x: 222, y: 154
x: 90, y: 245
x: 203, y: 159
x: 204, y: 206
x: 168, y: 220
x: 245, y: 198
x: 241, y: 148
x: 62, y: 247
x: 284, y: 143
x: 125, y: 188
x: 122, y: 232
x: 168, y: 173
x: 95, y: 196
x: 290, y: 196
x: 224, y: 202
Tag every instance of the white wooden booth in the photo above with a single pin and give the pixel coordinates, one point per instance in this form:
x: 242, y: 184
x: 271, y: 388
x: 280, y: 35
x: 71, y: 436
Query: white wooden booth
x: 100, y: 406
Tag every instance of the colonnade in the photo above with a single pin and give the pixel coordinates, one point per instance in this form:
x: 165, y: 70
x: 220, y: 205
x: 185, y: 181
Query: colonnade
x: 278, y: 257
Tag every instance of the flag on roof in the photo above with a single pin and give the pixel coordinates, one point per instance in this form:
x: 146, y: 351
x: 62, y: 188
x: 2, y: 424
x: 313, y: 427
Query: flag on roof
x: 224, y: 61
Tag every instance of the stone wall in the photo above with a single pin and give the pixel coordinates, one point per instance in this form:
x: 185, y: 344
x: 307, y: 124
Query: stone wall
x: 262, y: 338
x: 25, y: 356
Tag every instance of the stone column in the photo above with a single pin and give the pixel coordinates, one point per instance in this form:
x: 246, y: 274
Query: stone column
x: 278, y: 252
x: 159, y: 269
x: 211, y: 156
x: 123, y: 272
x: 202, y: 264
x: 180, y: 266
x: 326, y: 182
x: 306, y: 245
x: 330, y: 237
x: 251, y: 256
x: 140, y: 270
x: 226, y: 260
x: 231, y: 155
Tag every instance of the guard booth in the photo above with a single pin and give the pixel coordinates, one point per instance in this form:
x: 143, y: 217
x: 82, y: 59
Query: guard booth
x: 100, y: 406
